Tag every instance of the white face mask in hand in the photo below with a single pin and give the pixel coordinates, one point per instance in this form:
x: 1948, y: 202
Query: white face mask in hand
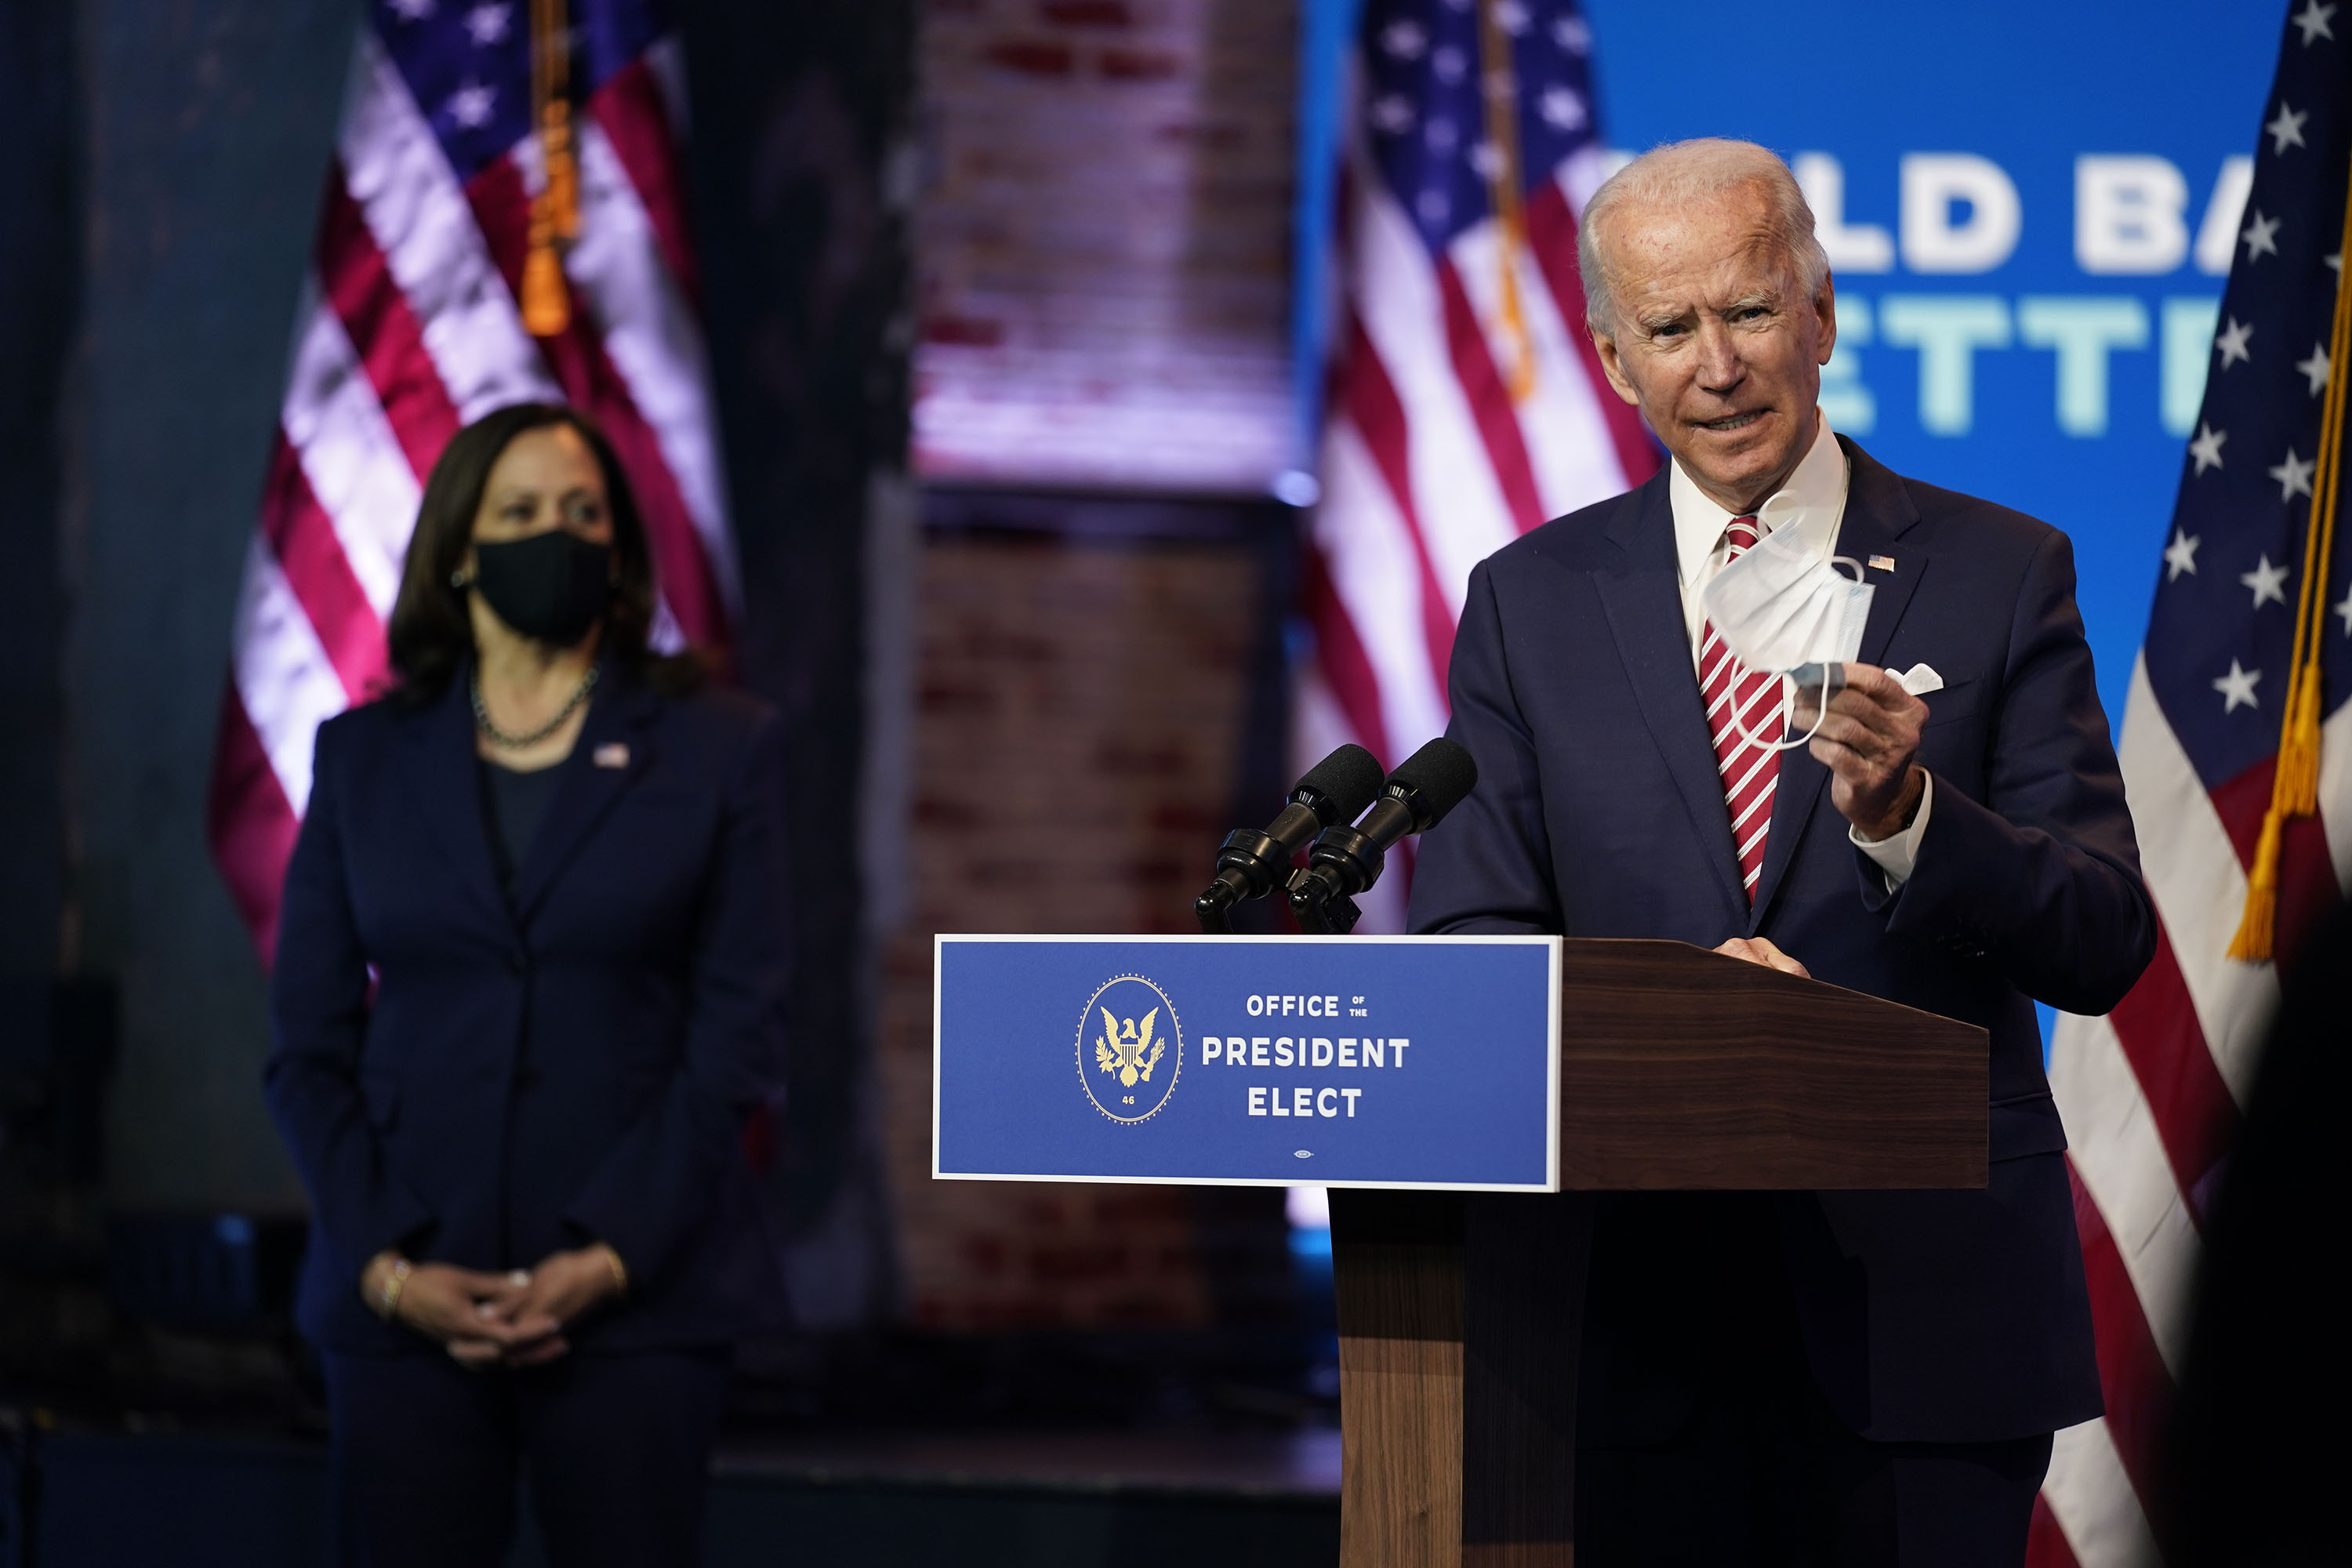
x: 1781, y: 607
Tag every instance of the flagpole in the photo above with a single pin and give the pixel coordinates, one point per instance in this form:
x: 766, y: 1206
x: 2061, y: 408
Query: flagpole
x: 556, y: 212
x: 1499, y: 83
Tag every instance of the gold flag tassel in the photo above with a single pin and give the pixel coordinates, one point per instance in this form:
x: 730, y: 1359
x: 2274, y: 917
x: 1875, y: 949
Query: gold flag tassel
x: 2298, y: 764
x: 2258, y: 926
x: 2294, y: 777
x: 1502, y: 96
x: 555, y: 210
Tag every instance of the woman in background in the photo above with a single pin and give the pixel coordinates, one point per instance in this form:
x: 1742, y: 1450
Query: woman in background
x: 528, y: 987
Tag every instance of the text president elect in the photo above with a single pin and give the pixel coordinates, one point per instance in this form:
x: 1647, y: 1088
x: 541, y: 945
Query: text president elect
x: 1847, y: 1377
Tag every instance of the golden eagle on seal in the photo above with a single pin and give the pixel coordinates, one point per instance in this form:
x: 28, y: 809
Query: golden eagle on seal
x: 1129, y: 1049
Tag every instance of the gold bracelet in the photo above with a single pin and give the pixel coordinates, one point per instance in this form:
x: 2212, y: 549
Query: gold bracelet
x: 388, y: 1298
x: 613, y: 1261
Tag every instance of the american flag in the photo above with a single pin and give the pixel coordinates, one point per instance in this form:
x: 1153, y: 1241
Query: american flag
x: 2251, y: 608
x: 412, y: 323
x: 1468, y: 402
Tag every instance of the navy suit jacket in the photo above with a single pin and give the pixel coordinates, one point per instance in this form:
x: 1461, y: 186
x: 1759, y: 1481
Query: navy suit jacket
x: 1937, y: 1316
x: 575, y: 1066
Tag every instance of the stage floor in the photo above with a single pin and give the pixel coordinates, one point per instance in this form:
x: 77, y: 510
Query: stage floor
x: 1021, y: 1499
x: 1301, y: 1465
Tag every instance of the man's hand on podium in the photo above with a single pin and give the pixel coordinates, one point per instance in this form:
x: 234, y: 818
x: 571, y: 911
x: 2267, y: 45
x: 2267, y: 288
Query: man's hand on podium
x: 1757, y: 950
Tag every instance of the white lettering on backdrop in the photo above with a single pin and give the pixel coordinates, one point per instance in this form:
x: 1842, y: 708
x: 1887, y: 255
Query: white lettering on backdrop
x: 1961, y: 214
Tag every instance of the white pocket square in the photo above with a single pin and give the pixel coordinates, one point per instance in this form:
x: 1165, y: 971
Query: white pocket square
x: 1920, y: 679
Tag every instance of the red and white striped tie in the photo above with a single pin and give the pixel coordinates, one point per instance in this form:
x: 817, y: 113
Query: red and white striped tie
x: 1748, y: 770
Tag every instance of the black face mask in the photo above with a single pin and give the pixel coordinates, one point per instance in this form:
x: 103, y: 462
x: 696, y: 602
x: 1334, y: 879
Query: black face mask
x: 551, y: 587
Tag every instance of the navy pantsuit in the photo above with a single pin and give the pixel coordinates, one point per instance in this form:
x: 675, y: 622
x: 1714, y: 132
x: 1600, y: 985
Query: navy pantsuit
x: 616, y: 1448
x: 1935, y: 1318
x: 483, y: 1079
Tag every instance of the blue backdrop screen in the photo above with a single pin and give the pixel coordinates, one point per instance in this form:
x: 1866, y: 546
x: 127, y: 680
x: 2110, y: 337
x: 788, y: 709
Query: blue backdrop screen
x: 2031, y: 209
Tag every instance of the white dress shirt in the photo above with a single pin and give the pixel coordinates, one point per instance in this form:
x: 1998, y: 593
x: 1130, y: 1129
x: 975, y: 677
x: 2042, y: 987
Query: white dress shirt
x: 1813, y: 502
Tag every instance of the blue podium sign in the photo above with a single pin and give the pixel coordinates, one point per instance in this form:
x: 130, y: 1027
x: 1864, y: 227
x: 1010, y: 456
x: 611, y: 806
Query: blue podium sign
x: 1352, y: 1061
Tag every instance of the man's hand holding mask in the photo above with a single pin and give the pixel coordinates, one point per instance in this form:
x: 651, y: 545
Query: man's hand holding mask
x: 1867, y: 739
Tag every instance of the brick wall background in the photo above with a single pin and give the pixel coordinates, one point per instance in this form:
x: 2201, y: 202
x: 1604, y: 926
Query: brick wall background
x: 1080, y: 712
x: 1103, y: 291
x: 1104, y: 242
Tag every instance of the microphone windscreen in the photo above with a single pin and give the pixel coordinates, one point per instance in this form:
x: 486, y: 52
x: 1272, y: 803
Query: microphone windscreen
x: 1438, y: 777
x: 1347, y: 779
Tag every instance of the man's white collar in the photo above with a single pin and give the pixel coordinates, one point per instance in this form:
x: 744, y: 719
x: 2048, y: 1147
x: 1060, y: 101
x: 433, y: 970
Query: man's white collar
x: 1813, y: 500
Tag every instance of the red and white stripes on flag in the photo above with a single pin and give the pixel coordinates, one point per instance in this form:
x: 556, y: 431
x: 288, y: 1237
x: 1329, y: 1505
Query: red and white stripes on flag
x: 407, y: 328
x: 2249, y: 647
x: 2151, y: 1096
x: 1430, y: 462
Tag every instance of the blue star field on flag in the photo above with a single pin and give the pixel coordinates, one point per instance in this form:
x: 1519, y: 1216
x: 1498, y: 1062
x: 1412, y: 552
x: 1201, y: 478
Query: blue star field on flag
x: 1427, y: 119
x: 468, y: 63
x: 2218, y: 639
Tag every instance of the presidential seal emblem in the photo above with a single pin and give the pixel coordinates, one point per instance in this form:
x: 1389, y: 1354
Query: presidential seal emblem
x: 1130, y: 1049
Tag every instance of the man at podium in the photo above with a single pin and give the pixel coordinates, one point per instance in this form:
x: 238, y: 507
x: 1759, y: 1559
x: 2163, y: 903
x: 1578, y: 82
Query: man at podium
x: 1847, y: 1377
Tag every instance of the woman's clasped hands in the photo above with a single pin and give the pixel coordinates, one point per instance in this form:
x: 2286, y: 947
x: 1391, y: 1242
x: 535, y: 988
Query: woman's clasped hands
x: 516, y: 1319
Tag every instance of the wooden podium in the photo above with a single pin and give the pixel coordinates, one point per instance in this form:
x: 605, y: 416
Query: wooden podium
x: 1460, y: 1313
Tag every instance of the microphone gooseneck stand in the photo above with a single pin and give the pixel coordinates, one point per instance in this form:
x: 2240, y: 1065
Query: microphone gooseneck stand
x: 1323, y: 913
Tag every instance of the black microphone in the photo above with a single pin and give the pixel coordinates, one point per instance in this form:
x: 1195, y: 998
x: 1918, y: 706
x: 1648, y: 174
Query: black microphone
x: 1347, y: 861
x: 1250, y: 865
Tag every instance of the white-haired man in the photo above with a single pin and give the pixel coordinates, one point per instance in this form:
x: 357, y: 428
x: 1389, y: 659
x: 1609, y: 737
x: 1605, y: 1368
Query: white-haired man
x: 1800, y: 1377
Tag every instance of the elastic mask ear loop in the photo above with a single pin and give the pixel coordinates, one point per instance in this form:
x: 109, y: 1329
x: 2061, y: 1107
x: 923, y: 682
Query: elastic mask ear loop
x: 1788, y: 701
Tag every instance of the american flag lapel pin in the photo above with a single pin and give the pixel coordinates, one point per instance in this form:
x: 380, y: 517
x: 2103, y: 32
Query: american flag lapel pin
x: 611, y: 754
x: 1882, y: 563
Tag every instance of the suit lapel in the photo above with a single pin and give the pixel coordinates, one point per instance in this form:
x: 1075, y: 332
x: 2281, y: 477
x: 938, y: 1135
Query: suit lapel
x: 439, y: 761
x: 1877, y: 513
x: 1644, y: 607
x: 612, y: 754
